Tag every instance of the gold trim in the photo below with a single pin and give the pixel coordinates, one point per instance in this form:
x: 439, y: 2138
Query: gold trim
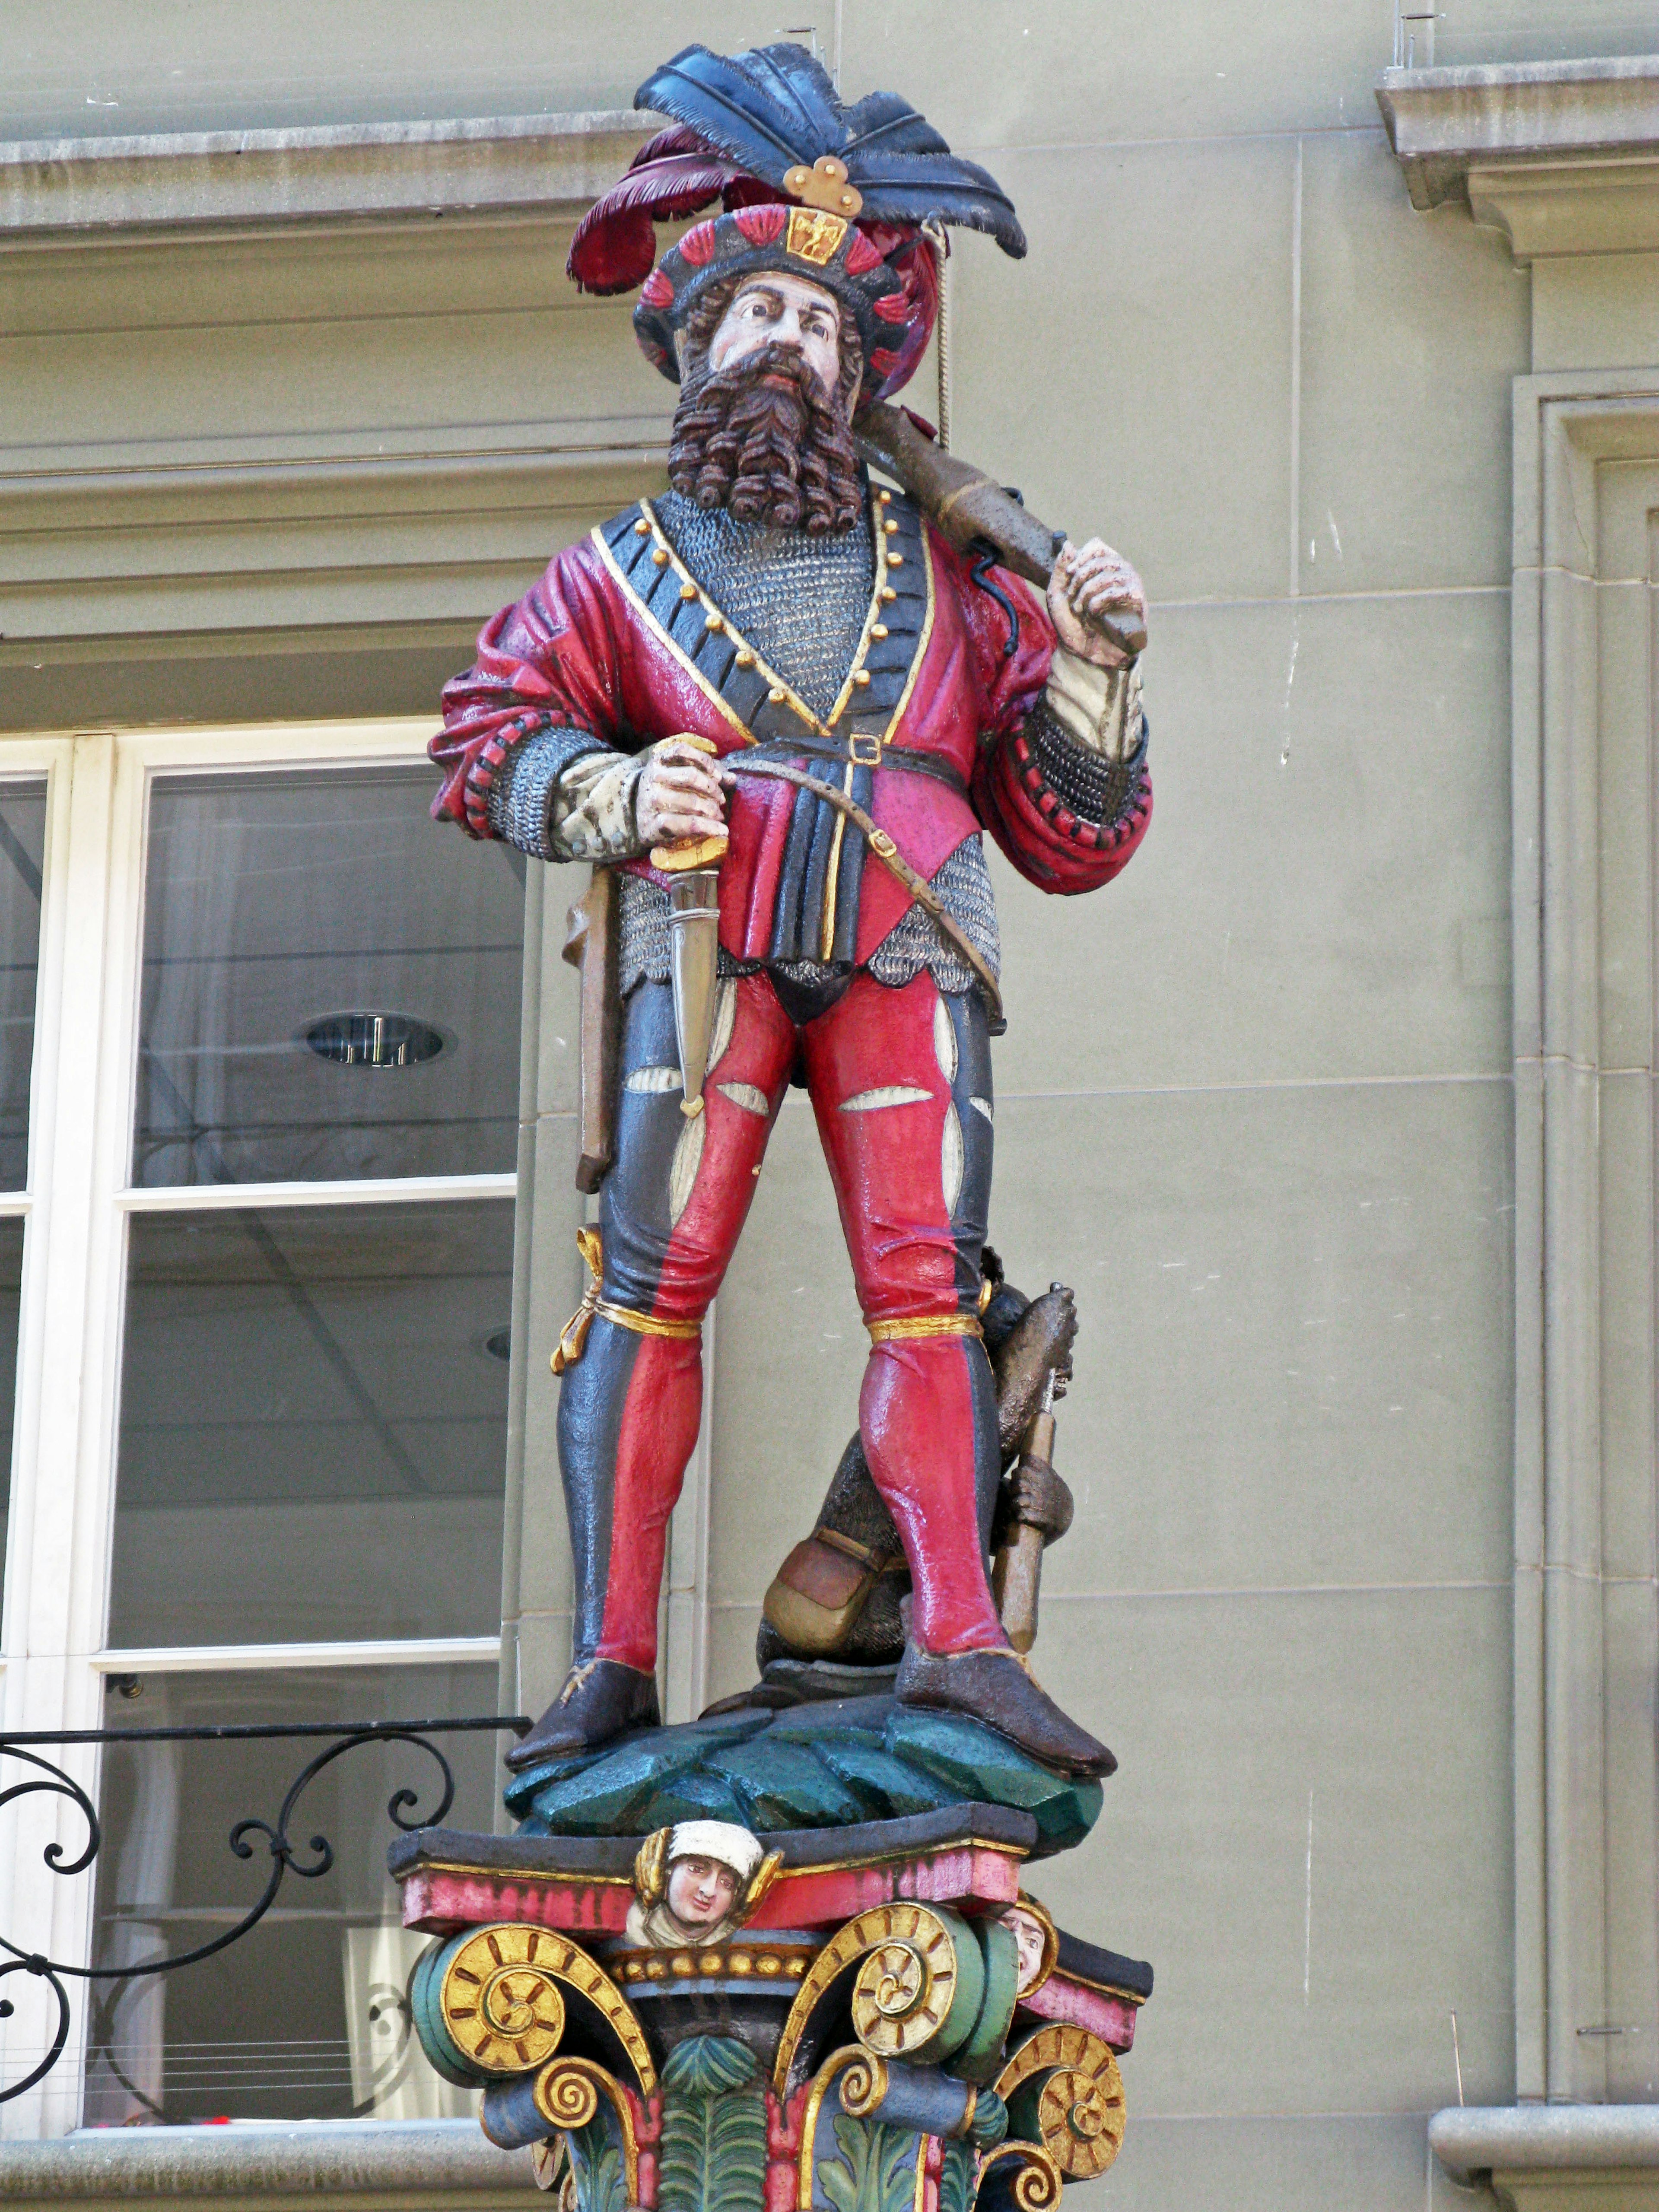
x: 899, y: 1922
x: 839, y: 2062
x: 554, y: 1958
x: 896, y: 1331
x: 1076, y: 2057
x: 646, y: 1324
x: 786, y: 695
x: 832, y: 874
x: 809, y: 1868
x: 1039, y: 1911
x: 1040, y: 2182
x: 563, y: 2074
x: 871, y: 612
x: 923, y: 641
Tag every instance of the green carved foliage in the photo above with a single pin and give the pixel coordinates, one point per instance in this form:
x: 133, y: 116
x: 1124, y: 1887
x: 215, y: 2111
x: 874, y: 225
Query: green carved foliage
x: 713, y: 2155
x: 596, y: 2161
x: 956, y: 2177
x: 875, y: 2171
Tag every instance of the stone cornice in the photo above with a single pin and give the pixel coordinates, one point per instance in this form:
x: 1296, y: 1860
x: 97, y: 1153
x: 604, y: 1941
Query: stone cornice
x: 440, y: 2162
x: 1605, y: 2154
x: 56, y: 192
x: 1562, y: 156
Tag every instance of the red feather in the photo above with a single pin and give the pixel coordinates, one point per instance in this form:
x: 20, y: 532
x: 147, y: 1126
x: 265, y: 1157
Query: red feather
x: 615, y: 241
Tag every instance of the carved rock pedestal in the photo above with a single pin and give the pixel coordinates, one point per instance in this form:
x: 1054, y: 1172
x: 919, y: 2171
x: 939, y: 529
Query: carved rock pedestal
x: 863, y: 2034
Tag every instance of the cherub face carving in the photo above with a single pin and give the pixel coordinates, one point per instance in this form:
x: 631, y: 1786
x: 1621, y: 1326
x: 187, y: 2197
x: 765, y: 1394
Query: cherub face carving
x: 1032, y: 1937
x: 701, y: 1891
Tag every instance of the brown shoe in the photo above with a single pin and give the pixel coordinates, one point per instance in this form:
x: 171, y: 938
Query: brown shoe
x: 600, y: 1699
x: 996, y: 1688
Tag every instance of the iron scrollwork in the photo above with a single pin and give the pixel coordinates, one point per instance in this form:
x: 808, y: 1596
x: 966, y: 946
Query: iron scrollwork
x: 286, y: 1857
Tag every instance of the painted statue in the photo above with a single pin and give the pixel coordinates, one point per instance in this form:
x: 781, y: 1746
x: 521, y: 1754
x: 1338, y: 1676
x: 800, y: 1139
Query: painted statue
x: 696, y: 1882
x: 777, y: 709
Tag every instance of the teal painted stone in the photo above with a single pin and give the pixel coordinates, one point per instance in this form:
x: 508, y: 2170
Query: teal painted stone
x: 607, y: 1794
x: 976, y: 1762
x: 608, y: 1798
x: 890, y: 1787
x: 697, y: 1796
x: 786, y: 1787
x: 521, y: 1790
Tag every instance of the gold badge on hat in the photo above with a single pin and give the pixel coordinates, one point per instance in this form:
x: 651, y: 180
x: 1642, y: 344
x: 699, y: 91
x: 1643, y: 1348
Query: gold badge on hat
x: 814, y: 236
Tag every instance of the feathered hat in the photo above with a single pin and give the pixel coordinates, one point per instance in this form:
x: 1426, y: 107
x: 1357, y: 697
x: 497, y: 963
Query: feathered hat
x: 836, y: 194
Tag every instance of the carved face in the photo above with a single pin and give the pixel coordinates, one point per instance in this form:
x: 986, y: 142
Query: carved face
x: 779, y: 309
x: 701, y: 1891
x: 1031, y: 1935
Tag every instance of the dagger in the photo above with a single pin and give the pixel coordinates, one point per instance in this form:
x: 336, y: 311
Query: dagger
x: 692, y: 865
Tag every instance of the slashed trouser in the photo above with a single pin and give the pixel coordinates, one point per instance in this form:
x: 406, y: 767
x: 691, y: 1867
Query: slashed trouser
x: 900, y: 1080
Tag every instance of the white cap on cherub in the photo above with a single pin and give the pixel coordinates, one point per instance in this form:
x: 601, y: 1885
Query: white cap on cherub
x: 723, y: 1840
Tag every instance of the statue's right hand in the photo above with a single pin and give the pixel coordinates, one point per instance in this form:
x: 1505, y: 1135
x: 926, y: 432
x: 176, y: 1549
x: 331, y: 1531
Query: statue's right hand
x: 681, y: 793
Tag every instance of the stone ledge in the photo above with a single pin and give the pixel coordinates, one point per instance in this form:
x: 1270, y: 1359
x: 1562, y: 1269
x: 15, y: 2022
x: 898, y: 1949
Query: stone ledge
x: 1563, y: 156
x: 1554, y: 2158
x: 88, y: 191
x: 426, y: 2159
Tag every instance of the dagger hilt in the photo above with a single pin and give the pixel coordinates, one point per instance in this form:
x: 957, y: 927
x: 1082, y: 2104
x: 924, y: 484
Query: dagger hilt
x: 694, y: 918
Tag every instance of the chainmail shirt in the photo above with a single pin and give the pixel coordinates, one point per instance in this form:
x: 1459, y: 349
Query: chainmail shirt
x: 763, y: 580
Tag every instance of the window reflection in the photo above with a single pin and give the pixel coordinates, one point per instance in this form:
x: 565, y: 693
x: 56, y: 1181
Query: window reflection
x: 285, y: 914
x: 307, y: 2016
x: 314, y: 1424
x: 23, y: 844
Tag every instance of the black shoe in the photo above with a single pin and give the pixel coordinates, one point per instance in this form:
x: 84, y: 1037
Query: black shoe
x: 994, y: 1687
x: 600, y: 1698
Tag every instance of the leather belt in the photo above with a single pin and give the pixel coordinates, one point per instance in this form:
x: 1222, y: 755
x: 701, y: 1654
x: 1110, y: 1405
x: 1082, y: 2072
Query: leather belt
x: 862, y: 750
x: 747, y: 763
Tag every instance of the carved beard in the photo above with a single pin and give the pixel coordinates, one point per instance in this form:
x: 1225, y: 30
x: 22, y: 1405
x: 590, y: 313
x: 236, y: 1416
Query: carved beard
x: 779, y: 453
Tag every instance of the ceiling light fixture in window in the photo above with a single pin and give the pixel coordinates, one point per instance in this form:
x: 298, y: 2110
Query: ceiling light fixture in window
x: 367, y: 1039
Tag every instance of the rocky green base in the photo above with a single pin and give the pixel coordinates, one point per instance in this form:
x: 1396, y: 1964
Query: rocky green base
x: 825, y: 1765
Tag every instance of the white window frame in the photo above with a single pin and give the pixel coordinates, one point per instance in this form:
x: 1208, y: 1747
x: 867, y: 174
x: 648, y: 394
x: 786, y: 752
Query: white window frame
x: 76, y: 1207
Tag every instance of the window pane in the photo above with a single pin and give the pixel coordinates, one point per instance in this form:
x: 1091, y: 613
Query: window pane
x: 331, y: 983
x: 11, y: 1270
x: 306, y: 2017
x: 23, y: 844
x: 314, y: 1424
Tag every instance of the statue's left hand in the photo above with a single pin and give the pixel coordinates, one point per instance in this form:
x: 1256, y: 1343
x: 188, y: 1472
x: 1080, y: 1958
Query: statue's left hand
x: 1093, y: 580
x: 1040, y: 1499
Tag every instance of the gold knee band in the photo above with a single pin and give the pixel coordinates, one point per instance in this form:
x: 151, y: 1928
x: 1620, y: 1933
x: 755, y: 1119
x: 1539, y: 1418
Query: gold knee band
x: 895, y: 1332
x: 573, y: 1338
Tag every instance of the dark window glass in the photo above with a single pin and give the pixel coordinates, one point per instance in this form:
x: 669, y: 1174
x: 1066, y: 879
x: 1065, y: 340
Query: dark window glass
x: 307, y: 2017
x: 11, y: 1270
x: 22, y: 843
x: 314, y: 1424
x: 331, y: 983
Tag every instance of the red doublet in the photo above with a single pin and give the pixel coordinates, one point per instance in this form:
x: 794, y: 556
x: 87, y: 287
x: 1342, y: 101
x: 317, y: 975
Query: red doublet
x: 618, y: 642
x: 583, y: 650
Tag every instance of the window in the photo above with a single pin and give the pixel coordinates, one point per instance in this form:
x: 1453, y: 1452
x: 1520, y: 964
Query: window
x: 276, y: 1128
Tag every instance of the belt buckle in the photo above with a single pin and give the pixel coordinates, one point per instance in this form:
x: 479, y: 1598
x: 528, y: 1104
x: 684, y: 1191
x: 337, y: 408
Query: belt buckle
x: 871, y: 759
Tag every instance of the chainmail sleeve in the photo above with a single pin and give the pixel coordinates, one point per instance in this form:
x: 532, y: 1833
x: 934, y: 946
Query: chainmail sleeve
x: 561, y: 795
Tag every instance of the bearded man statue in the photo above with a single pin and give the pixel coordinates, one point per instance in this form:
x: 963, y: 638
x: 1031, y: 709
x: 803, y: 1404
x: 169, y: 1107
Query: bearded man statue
x: 792, y: 615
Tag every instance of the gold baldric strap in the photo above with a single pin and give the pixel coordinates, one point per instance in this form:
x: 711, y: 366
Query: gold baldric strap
x: 573, y: 1339
x: 895, y: 1332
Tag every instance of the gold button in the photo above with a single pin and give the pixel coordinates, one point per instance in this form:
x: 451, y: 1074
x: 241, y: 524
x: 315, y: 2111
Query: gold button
x: 860, y: 676
x: 746, y: 658
x: 687, y: 590
x: 885, y: 498
x: 891, y: 524
x: 888, y: 594
x: 642, y: 528
x: 660, y: 557
x: 878, y: 629
x: 776, y: 696
x: 896, y: 559
x: 712, y: 621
